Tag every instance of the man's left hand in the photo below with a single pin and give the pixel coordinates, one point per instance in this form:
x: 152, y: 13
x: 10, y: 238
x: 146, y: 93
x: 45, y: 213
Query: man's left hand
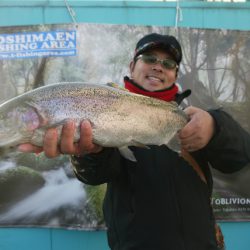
x: 198, y: 131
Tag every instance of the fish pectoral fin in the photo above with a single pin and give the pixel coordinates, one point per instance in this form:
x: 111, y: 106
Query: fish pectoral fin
x: 139, y: 144
x: 127, y: 153
x: 56, y: 124
x: 174, y: 143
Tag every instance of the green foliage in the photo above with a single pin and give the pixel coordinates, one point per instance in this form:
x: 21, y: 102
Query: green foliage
x: 95, y: 196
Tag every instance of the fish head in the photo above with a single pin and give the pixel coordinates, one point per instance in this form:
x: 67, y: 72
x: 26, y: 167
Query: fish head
x: 17, y: 124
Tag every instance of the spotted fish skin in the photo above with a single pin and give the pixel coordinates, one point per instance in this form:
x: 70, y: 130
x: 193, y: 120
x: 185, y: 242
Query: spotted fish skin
x: 119, y: 118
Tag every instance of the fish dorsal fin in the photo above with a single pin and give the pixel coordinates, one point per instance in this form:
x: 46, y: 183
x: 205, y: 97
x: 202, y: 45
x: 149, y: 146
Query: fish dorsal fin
x: 116, y: 85
x: 174, y: 103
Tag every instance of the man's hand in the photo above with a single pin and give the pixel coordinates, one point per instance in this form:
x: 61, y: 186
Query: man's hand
x: 67, y: 144
x: 199, y: 130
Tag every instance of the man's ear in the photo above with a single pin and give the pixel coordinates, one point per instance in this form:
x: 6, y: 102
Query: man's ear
x: 132, y: 66
x: 176, y: 74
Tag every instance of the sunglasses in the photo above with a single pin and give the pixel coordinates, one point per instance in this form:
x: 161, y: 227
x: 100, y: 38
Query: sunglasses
x: 151, y: 59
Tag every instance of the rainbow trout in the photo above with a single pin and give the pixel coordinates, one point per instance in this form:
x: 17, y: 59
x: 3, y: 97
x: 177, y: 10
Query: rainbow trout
x: 119, y: 118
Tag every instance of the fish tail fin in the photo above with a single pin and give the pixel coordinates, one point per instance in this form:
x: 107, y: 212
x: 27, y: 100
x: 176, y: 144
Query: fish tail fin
x: 174, y: 143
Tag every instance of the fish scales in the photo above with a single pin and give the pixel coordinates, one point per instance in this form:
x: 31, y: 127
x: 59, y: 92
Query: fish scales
x: 119, y: 118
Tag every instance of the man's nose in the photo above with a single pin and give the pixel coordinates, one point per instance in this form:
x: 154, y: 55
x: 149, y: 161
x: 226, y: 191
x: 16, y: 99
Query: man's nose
x: 157, y: 66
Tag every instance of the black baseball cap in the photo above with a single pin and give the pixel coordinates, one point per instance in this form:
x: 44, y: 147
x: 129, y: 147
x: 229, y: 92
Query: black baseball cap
x: 166, y: 42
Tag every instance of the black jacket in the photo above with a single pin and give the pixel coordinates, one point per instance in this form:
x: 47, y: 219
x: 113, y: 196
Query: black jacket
x: 160, y: 202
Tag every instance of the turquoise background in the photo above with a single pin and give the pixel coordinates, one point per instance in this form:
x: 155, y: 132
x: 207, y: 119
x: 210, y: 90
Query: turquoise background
x: 237, y: 237
x: 195, y: 14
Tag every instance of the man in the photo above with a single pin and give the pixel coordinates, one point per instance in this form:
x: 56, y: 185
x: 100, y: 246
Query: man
x: 158, y: 202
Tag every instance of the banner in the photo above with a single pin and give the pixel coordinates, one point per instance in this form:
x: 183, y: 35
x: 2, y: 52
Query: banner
x: 36, y: 191
x: 37, y: 44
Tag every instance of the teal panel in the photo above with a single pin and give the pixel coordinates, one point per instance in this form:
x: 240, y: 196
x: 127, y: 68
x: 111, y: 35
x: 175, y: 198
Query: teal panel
x: 195, y: 14
x: 230, y: 18
x: 51, y: 239
x: 25, y: 239
x: 79, y: 240
x: 237, y: 235
x: 133, y: 16
x: 215, y: 15
x: 14, y: 16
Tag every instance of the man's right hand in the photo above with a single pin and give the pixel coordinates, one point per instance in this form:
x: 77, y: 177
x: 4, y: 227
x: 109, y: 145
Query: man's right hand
x: 67, y: 145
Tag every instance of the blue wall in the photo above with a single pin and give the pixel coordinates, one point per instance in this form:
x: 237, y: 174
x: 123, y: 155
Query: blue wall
x: 51, y: 239
x: 236, y: 237
x: 197, y: 14
x: 194, y: 14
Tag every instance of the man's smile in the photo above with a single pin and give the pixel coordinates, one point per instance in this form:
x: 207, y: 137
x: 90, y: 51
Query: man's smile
x: 154, y: 79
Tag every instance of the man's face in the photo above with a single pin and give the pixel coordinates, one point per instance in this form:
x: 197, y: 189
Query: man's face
x: 153, y: 77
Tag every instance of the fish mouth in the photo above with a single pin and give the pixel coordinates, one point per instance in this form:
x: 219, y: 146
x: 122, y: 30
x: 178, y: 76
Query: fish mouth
x: 9, y: 140
x: 4, y: 136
